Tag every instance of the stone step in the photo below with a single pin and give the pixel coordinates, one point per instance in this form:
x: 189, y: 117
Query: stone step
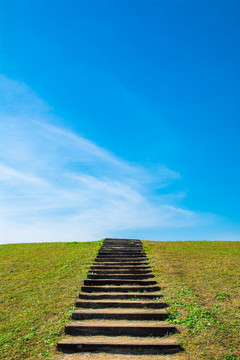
x: 120, y: 288
x: 120, y: 314
x: 116, y: 346
x: 79, y: 328
x: 120, y: 276
x: 134, y: 304
x: 121, y: 296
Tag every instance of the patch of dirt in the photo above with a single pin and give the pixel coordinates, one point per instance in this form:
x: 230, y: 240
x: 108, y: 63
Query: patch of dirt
x: 102, y: 322
x: 104, y: 356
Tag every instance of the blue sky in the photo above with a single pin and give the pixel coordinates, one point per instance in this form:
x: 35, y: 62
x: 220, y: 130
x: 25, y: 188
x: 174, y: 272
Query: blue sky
x: 119, y: 119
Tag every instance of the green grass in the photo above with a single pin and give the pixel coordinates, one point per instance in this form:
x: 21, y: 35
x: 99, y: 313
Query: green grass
x: 39, y: 284
x: 200, y: 280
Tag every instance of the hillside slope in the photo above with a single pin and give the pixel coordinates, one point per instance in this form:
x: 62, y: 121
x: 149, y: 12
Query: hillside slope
x: 39, y: 283
x: 201, y: 280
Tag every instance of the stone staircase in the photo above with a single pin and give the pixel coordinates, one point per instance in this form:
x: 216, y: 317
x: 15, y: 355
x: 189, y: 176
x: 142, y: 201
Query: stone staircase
x: 120, y: 308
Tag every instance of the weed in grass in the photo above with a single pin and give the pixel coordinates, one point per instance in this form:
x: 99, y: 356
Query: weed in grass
x: 230, y: 357
x: 222, y: 296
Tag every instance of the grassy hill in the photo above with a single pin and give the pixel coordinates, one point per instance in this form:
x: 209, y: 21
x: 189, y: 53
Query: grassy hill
x: 39, y: 283
x: 201, y: 279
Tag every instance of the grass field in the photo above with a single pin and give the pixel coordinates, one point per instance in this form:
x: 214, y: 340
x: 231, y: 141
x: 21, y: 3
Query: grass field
x: 39, y: 283
x: 201, y: 282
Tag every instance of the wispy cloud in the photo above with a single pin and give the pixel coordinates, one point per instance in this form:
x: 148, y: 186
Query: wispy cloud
x: 57, y: 185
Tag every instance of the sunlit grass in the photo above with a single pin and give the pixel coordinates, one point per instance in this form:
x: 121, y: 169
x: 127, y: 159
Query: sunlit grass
x: 39, y: 283
x: 201, y: 281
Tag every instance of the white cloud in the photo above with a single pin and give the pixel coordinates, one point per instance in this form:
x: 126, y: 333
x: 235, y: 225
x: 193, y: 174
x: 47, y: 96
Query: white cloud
x: 59, y: 186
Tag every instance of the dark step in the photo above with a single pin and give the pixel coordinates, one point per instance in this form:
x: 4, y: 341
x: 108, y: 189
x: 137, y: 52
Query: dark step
x: 120, y: 276
x: 119, y: 296
x: 114, y: 282
x: 120, y: 288
x: 123, y: 315
x: 119, y: 271
x: 115, y: 240
x: 77, y: 345
x: 120, y: 267
x: 126, y: 245
x: 125, y: 261
x: 121, y: 255
x: 116, y: 272
x: 120, y: 330
x: 121, y: 248
x: 118, y: 256
x: 134, y: 304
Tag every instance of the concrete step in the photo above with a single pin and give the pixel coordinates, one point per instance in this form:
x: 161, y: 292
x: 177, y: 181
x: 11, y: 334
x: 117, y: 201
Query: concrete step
x: 121, y: 296
x: 120, y: 314
x: 79, y: 328
x: 134, y: 304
